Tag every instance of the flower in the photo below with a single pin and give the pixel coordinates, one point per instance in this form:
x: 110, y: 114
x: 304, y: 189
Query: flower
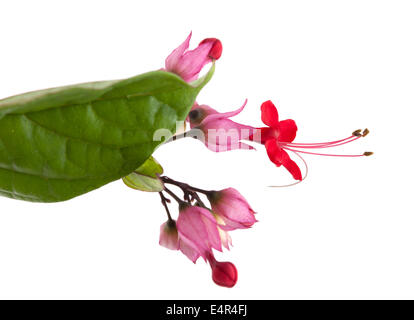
x: 169, y: 235
x: 188, y: 63
x: 232, y: 208
x: 218, y: 131
x: 279, y: 135
x: 224, y: 273
x: 198, y: 232
x: 274, y: 137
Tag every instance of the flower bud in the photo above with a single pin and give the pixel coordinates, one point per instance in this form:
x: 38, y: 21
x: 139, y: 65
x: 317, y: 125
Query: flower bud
x: 169, y: 235
x: 232, y: 208
x: 188, y: 63
x: 223, y: 273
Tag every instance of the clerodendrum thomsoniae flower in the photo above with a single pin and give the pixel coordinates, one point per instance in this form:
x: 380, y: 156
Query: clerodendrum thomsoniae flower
x: 199, y: 228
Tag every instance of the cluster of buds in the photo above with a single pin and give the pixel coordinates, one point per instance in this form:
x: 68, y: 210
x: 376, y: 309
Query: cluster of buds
x: 199, y: 228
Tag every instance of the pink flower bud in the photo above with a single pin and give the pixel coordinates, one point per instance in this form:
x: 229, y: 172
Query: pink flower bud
x: 197, y: 231
x: 224, y: 273
x: 169, y: 235
x: 188, y: 63
x: 232, y: 208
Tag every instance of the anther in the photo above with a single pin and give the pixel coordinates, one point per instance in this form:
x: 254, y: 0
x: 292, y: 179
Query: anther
x: 368, y: 153
x: 357, y: 133
x: 366, y: 131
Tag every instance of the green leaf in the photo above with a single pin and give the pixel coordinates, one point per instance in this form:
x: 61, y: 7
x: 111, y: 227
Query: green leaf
x: 59, y: 143
x: 146, y: 177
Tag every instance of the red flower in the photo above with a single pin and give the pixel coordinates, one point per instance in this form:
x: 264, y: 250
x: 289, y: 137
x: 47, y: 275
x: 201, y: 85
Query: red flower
x: 279, y: 135
x: 275, y: 135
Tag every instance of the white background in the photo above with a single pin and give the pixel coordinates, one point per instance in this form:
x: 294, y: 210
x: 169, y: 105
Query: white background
x: 346, y: 232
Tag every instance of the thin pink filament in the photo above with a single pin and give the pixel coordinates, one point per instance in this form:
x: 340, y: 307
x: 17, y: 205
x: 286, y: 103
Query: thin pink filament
x: 325, y: 154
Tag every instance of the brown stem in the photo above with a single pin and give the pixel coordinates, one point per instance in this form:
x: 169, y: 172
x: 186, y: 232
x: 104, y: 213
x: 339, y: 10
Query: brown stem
x: 172, y: 194
x: 164, y: 201
x: 184, y: 186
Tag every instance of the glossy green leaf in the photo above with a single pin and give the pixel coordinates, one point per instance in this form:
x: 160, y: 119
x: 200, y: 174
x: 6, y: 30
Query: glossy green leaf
x: 59, y: 143
x: 146, y: 177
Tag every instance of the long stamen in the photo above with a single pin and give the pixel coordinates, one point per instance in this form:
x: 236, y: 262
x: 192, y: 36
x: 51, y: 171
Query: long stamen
x: 321, y: 145
x: 355, y: 135
x: 294, y: 147
x: 331, y: 155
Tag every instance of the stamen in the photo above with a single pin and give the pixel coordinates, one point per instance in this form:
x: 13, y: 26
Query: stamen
x: 293, y: 147
x: 320, y: 146
x: 355, y: 136
x: 323, y: 143
x: 326, y: 154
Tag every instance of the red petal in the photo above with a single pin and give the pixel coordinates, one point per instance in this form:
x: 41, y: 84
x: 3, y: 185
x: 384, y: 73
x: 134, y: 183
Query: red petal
x: 269, y: 114
x: 274, y: 152
x: 280, y: 157
x: 291, y: 166
x: 287, y: 130
x: 216, y: 49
